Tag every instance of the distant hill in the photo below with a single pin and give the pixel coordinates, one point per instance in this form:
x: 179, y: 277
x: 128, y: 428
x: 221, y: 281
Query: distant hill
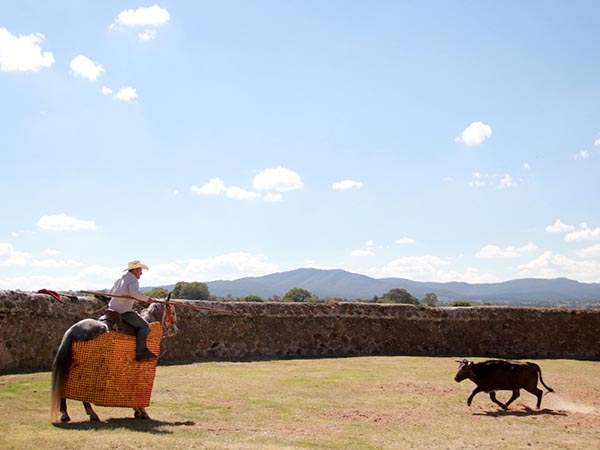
x: 352, y: 286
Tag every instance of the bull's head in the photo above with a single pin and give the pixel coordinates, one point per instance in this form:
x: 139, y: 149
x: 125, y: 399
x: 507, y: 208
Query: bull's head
x: 465, y: 370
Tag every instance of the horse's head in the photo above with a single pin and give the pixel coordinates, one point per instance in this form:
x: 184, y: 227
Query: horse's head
x: 165, y: 314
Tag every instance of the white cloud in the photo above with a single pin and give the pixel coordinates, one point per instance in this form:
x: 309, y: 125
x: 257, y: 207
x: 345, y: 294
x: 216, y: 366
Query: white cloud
x: 496, y: 252
x: 525, y: 166
x: 559, y: 227
x: 228, y: 267
x: 344, y: 185
x: 62, y: 222
x: 278, y: 179
x: 590, y: 252
x: 481, y: 180
x: 474, y: 134
x: 423, y: 268
x: 22, y: 53
x: 585, y: 234
x: 505, y: 182
x: 361, y: 253
x: 241, y: 194
x: 596, y: 142
x: 147, y: 35
x: 215, y: 186
x: 126, y: 94
x: 55, y: 263
x: 272, y: 198
x: 10, y: 257
x: 151, y: 17
x: 370, y: 243
x: 51, y: 252
x: 405, y: 241
x: 83, y: 67
x: 142, y: 17
x: 583, y: 154
x: 551, y: 265
x: 106, y: 91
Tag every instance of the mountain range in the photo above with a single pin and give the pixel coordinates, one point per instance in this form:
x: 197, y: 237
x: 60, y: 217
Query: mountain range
x: 351, y: 286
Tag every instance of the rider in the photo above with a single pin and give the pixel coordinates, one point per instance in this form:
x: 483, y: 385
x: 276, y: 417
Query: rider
x: 128, y: 285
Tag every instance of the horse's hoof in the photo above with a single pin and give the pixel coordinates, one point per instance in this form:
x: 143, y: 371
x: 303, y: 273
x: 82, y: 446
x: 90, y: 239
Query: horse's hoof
x: 94, y: 419
x: 65, y: 418
x: 141, y: 415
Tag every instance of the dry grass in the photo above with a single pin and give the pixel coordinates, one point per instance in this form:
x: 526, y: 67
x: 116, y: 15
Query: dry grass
x: 345, y: 403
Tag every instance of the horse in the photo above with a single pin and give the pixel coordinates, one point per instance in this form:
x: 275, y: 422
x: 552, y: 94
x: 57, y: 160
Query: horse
x: 86, y: 330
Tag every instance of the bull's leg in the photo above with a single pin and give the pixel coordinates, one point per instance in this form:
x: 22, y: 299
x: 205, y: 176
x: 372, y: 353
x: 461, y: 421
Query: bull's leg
x: 140, y: 413
x: 90, y: 412
x: 538, y: 393
x: 64, y: 415
x: 515, y: 395
x: 475, y: 392
x: 496, y: 401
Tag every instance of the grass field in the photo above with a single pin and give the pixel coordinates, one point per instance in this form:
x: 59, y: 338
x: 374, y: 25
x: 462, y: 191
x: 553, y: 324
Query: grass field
x: 338, y: 403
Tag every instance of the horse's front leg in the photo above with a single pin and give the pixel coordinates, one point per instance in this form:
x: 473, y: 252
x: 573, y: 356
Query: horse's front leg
x: 90, y: 412
x: 64, y: 415
x: 140, y: 413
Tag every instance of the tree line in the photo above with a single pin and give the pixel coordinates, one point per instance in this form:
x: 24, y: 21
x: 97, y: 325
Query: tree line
x: 199, y: 291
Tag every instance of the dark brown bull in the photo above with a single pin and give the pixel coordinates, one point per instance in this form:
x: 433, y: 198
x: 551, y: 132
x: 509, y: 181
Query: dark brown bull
x: 500, y: 375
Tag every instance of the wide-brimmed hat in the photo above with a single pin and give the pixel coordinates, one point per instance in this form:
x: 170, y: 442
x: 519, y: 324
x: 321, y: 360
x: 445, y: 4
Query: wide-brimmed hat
x: 136, y: 264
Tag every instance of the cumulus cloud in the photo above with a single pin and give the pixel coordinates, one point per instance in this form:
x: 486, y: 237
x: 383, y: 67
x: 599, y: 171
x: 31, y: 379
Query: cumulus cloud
x: 551, y: 265
x: 559, y: 227
x: 216, y: 186
x: 423, y: 268
x: 483, y: 180
x: 106, y: 91
x: 22, y: 53
x: 63, y: 222
x: 149, y: 18
x: 590, y: 252
x: 474, y: 134
x: 10, y: 257
x: 126, y: 94
x: 83, y: 67
x: 596, y: 142
x: 277, y: 179
x: 344, y: 185
x: 584, y: 234
x: 496, y: 252
x: 583, y: 154
x: 405, y: 241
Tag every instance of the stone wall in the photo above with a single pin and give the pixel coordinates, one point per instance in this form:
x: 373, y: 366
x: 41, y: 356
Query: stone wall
x: 31, y: 327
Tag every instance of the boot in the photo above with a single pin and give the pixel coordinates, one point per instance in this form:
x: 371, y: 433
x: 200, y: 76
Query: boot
x: 146, y: 356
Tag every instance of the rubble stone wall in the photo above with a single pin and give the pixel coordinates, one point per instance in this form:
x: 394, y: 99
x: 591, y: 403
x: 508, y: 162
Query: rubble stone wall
x: 32, y: 325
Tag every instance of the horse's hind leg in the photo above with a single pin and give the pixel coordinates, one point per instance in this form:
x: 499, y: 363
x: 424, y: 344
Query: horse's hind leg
x: 90, y: 412
x: 140, y: 413
x: 64, y: 415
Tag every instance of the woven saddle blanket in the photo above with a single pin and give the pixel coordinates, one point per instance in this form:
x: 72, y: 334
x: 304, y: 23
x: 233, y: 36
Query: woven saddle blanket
x: 104, y: 371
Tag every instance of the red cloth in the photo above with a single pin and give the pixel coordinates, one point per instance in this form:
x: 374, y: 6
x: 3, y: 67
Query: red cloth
x: 54, y: 294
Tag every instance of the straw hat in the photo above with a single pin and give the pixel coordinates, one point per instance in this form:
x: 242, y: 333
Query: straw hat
x: 136, y: 264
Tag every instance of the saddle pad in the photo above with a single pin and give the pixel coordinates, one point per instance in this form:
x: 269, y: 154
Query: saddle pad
x: 104, y: 371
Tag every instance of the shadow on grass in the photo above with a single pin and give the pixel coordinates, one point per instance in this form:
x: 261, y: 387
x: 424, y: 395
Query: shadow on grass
x: 525, y: 412
x: 146, y: 426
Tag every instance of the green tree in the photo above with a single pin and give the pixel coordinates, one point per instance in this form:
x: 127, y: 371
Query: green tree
x: 191, y: 291
x: 157, y: 293
x: 252, y: 298
x: 297, y: 295
x: 461, y: 303
x: 399, y: 295
x: 430, y: 299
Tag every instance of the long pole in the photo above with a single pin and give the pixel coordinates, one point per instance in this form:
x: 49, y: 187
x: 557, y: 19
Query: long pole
x: 178, y: 304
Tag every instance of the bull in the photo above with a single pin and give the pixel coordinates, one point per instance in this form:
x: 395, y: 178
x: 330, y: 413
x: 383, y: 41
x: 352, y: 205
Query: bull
x: 501, y: 375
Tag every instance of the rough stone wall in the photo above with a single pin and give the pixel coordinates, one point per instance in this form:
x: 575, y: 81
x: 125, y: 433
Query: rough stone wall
x: 31, y: 327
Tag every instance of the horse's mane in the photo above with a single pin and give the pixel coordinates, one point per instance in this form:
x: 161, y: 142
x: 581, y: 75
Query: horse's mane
x: 153, y: 313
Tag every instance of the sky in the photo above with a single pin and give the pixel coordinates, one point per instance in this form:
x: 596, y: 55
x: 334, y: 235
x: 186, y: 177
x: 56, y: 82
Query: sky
x: 429, y: 140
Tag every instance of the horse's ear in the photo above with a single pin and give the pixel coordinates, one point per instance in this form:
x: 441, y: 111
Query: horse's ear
x: 168, y: 297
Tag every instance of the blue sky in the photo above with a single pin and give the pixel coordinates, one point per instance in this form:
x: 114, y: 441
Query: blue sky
x: 435, y: 141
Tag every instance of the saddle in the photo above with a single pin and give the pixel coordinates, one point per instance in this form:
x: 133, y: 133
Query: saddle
x: 115, y: 323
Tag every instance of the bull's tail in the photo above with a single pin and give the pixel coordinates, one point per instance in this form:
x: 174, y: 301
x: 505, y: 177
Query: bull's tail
x: 60, y: 368
x: 542, y: 380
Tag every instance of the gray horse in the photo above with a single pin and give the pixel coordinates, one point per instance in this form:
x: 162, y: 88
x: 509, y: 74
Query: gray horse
x: 86, y: 330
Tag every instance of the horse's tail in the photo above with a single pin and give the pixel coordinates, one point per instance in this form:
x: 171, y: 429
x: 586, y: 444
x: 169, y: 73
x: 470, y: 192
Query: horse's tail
x: 542, y: 380
x: 60, y: 367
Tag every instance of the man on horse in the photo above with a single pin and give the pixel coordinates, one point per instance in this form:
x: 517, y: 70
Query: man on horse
x: 128, y: 286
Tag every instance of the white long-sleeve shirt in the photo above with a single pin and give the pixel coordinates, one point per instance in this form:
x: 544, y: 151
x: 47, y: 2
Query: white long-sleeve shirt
x: 129, y: 285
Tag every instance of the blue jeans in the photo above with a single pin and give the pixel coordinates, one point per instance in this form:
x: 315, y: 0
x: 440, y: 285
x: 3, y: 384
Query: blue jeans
x: 142, y: 327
